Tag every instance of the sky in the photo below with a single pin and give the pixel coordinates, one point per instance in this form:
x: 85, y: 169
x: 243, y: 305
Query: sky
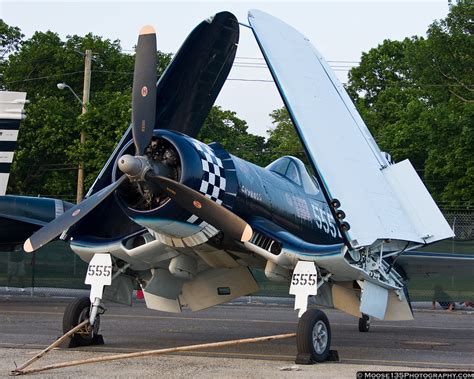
x: 340, y: 30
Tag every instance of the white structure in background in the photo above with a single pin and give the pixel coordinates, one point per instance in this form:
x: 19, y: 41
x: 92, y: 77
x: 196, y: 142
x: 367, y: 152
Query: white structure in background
x: 11, y: 113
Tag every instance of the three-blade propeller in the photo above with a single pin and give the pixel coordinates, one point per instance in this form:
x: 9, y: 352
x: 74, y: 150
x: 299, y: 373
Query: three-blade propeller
x: 208, y: 210
x: 69, y: 218
x: 144, y: 90
x: 138, y: 168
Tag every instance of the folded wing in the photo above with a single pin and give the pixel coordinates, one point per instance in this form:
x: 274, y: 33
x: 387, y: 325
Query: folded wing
x: 381, y: 201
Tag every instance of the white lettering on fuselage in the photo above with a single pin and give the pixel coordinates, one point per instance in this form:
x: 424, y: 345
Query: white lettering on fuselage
x: 252, y: 194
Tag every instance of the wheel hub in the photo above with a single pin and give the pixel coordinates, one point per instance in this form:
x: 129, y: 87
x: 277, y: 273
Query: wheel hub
x: 88, y: 332
x: 320, y: 337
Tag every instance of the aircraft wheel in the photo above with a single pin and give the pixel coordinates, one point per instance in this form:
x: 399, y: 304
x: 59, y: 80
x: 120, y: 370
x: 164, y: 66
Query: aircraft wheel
x: 76, y: 312
x: 364, y: 324
x: 313, y: 335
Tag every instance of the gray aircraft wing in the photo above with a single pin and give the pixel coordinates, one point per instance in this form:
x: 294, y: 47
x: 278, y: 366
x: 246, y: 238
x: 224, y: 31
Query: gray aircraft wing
x: 382, y: 202
x: 426, y: 264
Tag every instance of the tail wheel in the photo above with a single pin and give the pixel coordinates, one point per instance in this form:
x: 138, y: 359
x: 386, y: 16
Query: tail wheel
x: 364, y: 324
x: 313, y: 335
x: 76, y: 312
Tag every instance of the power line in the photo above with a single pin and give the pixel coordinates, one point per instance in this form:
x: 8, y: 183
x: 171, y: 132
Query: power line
x: 45, y: 77
x: 338, y: 69
x: 252, y: 58
x: 332, y: 61
x: 243, y: 65
x: 246, y: 80
x: 249, y: 80
x: 262, y: 59
x: 114, y: 72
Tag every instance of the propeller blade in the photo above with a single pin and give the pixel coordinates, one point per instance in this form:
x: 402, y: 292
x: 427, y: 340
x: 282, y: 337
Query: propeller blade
x: 205, y: 208
x: 69, y: 218
x: 144, y: 89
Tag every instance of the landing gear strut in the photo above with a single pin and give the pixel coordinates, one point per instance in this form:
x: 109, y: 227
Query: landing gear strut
x: 313, y: 337
x: 364, y: 324
x: 76, y: 312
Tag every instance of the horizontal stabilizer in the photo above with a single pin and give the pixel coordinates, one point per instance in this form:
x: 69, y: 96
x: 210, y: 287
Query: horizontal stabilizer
x: 381, y: 202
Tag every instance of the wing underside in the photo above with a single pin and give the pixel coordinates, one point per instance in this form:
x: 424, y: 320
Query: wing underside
x: 426, y: 264
x: 190, y: 85
x: 381, y: 201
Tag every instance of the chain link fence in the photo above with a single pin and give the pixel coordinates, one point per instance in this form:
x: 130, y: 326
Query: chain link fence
x: 54, y: 270
x: 462, y: 224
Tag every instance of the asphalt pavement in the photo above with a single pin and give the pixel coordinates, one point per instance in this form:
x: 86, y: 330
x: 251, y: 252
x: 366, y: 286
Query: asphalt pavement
x: 434, y: 340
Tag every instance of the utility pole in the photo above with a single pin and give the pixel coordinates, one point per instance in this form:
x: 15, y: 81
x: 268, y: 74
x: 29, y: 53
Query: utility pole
x: 85, y: 103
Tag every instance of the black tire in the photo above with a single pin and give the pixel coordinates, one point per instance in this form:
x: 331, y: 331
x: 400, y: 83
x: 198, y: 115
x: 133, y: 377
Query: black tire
x: 364, y: 324
x: 76, y: 312
x: 313, y: 335
x: 335, y: 203
x: 340, y: 215
x: 345, y: 227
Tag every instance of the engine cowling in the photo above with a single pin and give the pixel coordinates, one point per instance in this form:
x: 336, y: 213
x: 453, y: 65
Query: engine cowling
x: 204, y: 168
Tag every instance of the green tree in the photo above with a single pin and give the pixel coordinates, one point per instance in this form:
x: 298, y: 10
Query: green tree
x: 225, y: 127
x: 49, y: 149
x: 389, y: 100
x: 282, y: 138
x: 416, y: 97
x: 106, y: 120
x: 444, y: 66
x: 40, y: 166
x: 10, y: 41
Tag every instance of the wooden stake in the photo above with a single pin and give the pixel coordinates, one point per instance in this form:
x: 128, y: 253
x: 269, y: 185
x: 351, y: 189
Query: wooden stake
x: 50, y: 347
x: 20, y: 371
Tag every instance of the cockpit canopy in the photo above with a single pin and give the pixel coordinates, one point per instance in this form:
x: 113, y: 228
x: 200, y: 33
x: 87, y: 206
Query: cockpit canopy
x: 296, y: 172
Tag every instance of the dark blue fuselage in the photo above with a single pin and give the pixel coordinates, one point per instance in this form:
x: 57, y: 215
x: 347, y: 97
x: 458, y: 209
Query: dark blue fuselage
x: 283, y: 196
x: 281, y: 201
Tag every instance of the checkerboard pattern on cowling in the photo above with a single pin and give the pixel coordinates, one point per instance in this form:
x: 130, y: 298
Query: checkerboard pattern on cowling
x: 213, y: 181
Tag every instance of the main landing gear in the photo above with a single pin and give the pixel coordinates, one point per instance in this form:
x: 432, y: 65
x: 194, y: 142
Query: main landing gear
x: 76, y: 312
x: 313, y: 338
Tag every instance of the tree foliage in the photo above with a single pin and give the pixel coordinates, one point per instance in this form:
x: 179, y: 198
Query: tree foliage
x: 416, y: 97
x: 49, y: 148
x: 225, y: 127
x: 282, y: 138
x: 10, y: 41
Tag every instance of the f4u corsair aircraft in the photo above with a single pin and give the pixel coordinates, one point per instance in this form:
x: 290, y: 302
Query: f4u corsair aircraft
x: 185, y: 221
